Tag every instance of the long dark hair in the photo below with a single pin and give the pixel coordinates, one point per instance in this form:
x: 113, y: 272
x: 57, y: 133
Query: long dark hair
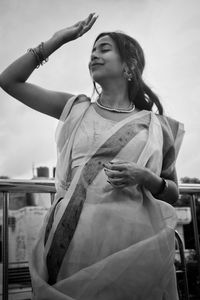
x: 132, y: 54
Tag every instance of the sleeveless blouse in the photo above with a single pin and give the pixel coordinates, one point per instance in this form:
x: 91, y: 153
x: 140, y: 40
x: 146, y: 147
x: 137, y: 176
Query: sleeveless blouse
x: 92, y: 126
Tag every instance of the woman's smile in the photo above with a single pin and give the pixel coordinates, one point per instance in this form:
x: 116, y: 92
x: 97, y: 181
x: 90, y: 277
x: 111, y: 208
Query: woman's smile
x: 95, y: 65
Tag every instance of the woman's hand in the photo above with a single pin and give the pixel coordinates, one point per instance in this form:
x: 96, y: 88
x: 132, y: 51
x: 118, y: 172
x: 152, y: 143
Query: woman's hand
x: 123, y: 174
x: 75, y: 31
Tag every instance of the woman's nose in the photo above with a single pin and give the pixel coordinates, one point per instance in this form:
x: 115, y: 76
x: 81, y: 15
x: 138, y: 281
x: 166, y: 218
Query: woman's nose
x: 94, y: 55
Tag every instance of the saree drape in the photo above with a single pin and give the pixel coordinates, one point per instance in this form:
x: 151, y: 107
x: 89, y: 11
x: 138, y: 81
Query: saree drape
x: 102, y: 243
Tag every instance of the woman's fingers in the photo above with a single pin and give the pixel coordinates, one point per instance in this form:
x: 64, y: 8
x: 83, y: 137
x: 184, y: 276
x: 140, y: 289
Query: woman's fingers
x: 113, y: 174
x: 92, y: 21
x: 89, y: 18
x: 117, y: 183
x: 121, y: 174
x: 88, y: 24
x: 75, y: 31
x: 120, y: 166
x: 116, y: 179
x: 85, y: 25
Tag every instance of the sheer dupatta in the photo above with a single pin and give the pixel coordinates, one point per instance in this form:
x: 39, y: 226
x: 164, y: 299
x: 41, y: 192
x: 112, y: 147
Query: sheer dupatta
x: 71, y: 253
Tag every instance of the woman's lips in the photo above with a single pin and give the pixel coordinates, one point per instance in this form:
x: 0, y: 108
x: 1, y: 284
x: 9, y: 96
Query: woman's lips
x: 94, y: 65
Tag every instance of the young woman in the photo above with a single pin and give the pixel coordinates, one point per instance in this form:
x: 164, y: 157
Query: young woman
x: 109, y: 234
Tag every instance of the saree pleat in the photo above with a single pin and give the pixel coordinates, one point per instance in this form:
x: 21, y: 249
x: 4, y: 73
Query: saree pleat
x: 101, y: 243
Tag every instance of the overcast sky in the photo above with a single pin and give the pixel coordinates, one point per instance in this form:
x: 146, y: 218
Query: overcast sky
x: 169, y: 32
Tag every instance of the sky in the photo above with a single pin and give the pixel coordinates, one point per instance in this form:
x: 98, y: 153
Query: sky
x: 169, y: 33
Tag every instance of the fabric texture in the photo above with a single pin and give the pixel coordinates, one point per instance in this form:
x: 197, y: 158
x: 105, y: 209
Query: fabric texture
x: 101, y: 243
x: 88, y: 134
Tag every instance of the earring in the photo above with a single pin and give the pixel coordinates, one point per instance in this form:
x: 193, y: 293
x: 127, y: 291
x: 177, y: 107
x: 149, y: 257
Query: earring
x: 128, y: 75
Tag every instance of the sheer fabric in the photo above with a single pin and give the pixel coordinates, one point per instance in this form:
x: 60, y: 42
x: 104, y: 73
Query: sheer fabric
x: 123, y: 242
x: 88, y: 134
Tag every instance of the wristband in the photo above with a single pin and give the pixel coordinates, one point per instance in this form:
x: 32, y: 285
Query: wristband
x: 163, y: 188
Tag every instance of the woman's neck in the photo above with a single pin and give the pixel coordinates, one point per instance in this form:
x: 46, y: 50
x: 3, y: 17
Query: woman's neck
x: 115, y: 95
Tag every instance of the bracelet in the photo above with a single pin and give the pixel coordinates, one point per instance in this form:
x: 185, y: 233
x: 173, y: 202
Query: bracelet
x: 40, y: 55
x: 36, y: 56
x: 163, y: 188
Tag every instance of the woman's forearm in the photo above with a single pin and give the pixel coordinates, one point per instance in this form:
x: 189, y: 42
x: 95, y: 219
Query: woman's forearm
x: 153, y: 183
x: 21, y: 69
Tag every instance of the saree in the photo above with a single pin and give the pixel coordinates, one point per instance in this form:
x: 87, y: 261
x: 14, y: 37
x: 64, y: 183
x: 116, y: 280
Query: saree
x: 102, y: 243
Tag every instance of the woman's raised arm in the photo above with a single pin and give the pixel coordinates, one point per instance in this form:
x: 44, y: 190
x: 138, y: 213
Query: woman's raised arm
x: 13, y: 78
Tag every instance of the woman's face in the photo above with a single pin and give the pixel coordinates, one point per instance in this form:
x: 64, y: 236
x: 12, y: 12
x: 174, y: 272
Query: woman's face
x: 105, y: 62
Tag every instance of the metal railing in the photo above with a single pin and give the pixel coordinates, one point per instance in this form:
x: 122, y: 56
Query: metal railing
x: 12, y: 186
x: 8, y: 186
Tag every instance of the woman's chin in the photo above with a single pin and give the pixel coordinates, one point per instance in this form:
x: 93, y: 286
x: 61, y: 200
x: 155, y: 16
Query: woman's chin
x: 96, y: 75
x: 98, y: 79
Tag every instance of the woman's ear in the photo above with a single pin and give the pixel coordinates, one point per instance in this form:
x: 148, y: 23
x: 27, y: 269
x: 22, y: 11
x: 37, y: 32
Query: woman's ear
x: 133, y: 64
x: 128, y: 74
x: 130, y: 67
x: 125, y: 67
x: 128, y: 71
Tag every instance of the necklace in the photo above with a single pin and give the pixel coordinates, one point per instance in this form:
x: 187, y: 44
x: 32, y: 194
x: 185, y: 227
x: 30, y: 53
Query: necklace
x: 119, y: 110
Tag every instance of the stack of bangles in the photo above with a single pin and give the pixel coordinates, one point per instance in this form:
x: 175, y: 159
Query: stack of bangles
x: 39, y: 54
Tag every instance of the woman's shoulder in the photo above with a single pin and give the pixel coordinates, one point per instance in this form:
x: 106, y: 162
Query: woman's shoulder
x: 77, y: 99
x: 170, y: 125
x: 82, y: 98
x: 173, y: 133
x: 73, y: 104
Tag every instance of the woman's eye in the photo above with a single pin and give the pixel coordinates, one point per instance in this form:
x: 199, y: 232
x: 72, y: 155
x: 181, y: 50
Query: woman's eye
x: 105, y: 50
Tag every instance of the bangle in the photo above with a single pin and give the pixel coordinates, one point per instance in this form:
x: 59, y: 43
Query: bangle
x: 40, y: 55
x: 163, y: 188
x: 36, y: 56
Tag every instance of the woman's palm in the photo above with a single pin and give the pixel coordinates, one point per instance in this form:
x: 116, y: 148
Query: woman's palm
x: 75, y: 31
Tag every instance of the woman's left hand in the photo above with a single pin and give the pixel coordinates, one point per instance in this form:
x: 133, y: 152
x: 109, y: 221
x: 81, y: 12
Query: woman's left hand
x: 123, y: 174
